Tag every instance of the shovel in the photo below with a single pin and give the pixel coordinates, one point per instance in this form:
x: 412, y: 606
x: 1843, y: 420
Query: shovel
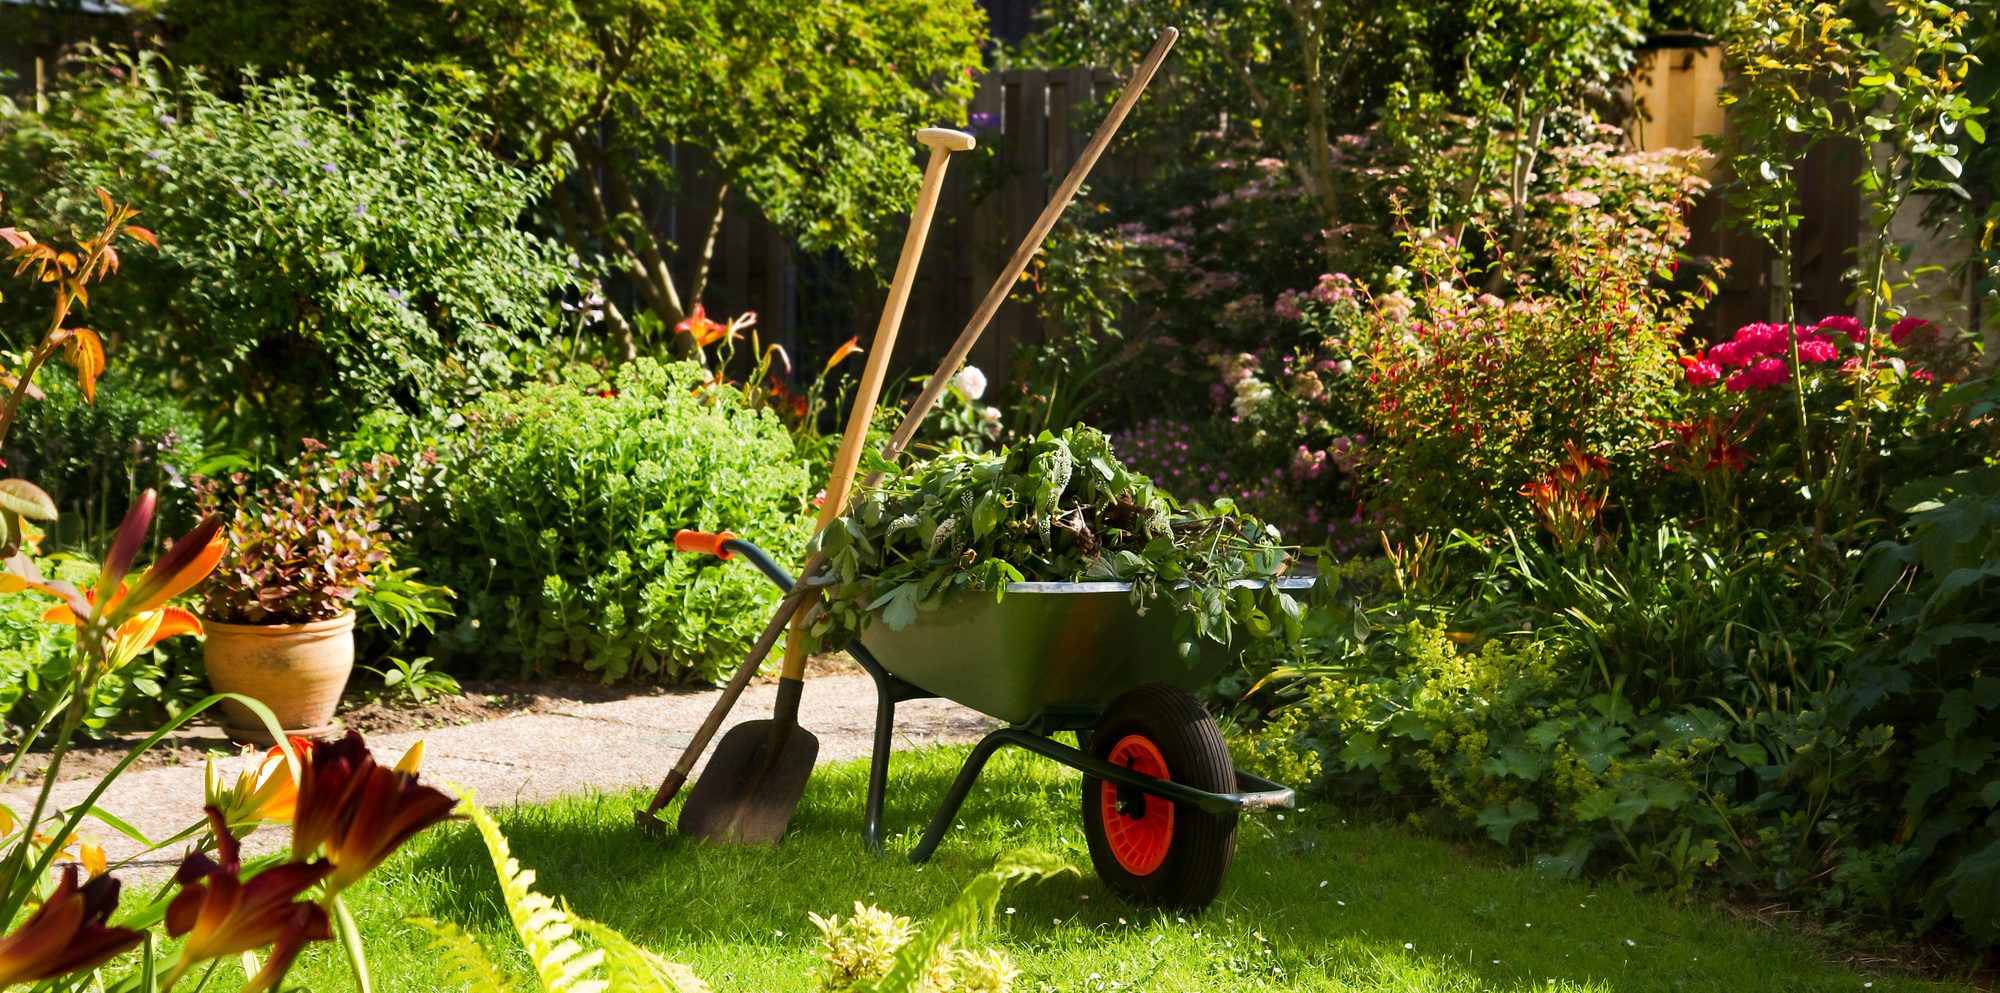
x: 752, y: 785
x: 791, y: 606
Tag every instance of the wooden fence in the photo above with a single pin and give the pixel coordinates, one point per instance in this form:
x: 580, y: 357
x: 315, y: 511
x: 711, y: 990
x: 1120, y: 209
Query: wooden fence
x: 1035, y: 122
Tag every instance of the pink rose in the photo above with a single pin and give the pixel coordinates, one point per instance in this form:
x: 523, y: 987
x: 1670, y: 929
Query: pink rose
x: 1701, y: 372
x: 1817, y: 348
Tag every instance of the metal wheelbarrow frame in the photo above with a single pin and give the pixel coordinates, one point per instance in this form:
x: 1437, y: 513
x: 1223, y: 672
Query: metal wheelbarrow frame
x: 1087, y: 647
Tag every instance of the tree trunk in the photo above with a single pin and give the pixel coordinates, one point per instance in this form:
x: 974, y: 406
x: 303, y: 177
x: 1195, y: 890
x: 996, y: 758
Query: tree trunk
x: 624, y: 346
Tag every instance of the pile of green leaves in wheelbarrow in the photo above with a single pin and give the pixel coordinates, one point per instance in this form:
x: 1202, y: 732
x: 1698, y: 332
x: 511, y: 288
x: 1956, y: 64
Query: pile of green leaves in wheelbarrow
x: 1052, y: 587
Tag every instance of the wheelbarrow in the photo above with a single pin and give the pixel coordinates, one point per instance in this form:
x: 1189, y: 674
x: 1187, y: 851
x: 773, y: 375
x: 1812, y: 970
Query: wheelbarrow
x: 1160, y: 794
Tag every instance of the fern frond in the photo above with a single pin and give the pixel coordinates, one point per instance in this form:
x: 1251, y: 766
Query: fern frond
x: 466, y: 964
x: 563, y: 965
x: 632, y: 969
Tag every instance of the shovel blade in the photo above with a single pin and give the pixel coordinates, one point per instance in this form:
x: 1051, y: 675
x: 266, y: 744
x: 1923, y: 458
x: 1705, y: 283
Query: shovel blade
x: 752, y: 785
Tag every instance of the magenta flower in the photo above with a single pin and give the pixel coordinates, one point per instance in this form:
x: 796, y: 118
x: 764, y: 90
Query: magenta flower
x: 1766, y: 373
x: 1900, y: 331
x: 1754, y: 340
x: 1701, y: 371
x: 1843, y: 324
x: 1817, y: 348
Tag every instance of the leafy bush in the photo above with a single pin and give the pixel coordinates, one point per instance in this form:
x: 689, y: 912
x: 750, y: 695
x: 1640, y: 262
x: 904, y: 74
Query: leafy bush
x: 1937, y: 675
x: 1059, y: 508
x: 320, y: 256
x: 552, y: 510
x: 95, y: 457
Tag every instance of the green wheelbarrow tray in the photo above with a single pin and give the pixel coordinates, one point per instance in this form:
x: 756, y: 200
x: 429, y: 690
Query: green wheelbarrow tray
x: 1047, y: 655
x: 1044, y: 657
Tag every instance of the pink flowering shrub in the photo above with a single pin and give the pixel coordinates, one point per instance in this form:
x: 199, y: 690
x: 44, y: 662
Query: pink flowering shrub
x: 1475, y: 401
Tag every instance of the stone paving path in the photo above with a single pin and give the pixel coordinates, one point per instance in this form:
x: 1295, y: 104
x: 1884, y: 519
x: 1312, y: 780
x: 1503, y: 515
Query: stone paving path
x: 613, y: 745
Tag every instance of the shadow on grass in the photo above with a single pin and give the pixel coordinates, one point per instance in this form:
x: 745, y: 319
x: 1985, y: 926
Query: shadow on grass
x: 1313, y: 903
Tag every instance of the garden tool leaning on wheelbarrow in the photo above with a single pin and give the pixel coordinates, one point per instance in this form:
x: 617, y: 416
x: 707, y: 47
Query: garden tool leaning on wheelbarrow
x: 751, y: 788
x: 742, y: 796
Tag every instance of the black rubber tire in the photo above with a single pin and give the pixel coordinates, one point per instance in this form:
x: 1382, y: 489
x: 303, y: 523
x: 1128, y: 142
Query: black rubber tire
x: 1202, y: 844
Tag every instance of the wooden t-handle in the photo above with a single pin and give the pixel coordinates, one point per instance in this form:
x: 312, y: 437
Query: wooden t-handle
x: 942, y: 142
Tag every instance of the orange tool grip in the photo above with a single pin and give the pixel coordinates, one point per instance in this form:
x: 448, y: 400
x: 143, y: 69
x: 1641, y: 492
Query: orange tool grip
x: 701, y: 541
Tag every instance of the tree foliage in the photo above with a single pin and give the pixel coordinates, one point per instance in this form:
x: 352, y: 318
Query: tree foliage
x: 802, y: 112
x: 323, y: 255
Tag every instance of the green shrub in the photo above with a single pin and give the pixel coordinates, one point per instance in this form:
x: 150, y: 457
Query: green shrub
x: 552, y: 510
x: 1679, y: 713
x: 1937, y: 674
x: 317, y: 256
x: 96, y: 458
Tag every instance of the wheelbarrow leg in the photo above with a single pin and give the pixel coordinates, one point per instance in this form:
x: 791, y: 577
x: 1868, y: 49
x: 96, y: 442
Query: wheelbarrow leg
x: 962, y: 786
x: 878, y: 767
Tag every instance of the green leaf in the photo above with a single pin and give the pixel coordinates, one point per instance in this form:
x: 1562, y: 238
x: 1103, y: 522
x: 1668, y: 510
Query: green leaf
x: 1500, y: 822
x: 465, y: 964
x: 1973, y: 891
x: 1974, y: 130
x: 632, y: 969
x: 26, y: 499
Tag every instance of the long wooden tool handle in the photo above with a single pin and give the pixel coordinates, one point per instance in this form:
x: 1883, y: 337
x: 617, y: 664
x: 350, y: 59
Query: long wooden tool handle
x: 942, y: 142
x: 1002, y: 286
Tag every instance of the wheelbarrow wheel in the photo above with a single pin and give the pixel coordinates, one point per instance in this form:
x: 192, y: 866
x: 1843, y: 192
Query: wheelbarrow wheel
x: 1145, y: 848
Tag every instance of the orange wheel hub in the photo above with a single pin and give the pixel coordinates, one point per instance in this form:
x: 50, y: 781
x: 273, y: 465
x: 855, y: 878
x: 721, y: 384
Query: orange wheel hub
x: 1139, y: 828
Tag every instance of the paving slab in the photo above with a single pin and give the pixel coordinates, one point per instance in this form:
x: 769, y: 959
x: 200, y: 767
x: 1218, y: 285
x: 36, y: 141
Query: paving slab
x: 534, y: 757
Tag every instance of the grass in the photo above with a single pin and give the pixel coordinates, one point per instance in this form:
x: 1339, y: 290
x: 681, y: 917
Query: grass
x: 1314, y: 903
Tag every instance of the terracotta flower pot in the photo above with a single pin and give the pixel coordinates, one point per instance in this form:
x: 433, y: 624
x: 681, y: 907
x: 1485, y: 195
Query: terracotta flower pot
x: 297, y: 670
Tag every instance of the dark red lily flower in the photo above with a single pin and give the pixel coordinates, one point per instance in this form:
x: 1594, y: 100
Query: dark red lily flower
x: 224, y: 914
x: 67, y: 933
x: 359, y: 811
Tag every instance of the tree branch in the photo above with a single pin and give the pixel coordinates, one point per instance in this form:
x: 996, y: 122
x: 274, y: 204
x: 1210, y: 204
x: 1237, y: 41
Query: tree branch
x: 701, y: 265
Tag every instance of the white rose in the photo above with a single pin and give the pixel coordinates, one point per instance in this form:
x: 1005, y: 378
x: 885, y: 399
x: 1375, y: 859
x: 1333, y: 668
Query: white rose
x: 970, y: 382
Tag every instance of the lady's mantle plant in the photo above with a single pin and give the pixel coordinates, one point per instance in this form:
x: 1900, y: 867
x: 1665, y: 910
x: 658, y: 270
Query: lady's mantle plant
x: 1058, y: 508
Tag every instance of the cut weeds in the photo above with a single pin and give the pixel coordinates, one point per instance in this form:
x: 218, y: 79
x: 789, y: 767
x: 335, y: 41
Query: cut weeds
x: 1313, y: 903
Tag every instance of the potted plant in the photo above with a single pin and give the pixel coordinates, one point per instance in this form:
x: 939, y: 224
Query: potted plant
x: 280, y: 607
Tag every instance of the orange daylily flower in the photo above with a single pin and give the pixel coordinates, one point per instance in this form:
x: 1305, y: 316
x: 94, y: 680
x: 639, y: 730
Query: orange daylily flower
x: 269, y: 792
x: 851, y: 346
x: 67, y: 933
x: 358, y: 811
x: 705, y: 332
x: 139, y: 610
x: 222, y: 914
x: 141, y: 632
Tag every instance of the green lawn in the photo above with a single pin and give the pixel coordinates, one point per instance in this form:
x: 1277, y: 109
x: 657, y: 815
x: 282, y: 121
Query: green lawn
x: 1314, y: 903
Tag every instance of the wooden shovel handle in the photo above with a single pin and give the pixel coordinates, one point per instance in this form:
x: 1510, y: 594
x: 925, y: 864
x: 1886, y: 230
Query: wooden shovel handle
x: 942, y: 142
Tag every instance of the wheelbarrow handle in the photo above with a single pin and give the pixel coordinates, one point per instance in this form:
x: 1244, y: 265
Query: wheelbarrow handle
x: 689, y: 540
